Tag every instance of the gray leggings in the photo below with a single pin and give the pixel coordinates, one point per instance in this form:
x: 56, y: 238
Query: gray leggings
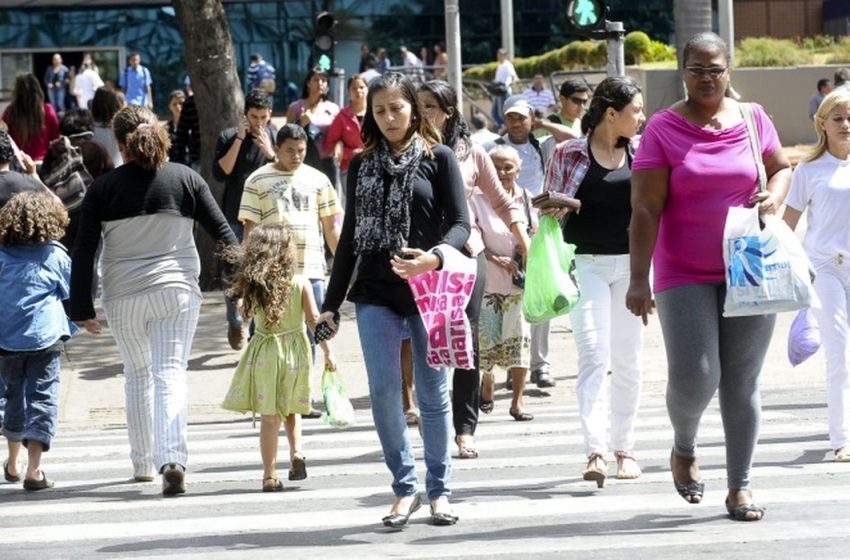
x: 706, y: 351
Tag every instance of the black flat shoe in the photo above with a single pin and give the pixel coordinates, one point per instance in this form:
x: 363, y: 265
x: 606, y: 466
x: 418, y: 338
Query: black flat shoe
x: 443, y: 519
x: 298, y: 470
x: 399, y: 520
x: 521, y: 416
x: 9, y: 476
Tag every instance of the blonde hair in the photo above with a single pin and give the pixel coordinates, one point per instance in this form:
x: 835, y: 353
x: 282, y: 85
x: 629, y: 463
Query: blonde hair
x: 265, y: 264
x: 830, y: 102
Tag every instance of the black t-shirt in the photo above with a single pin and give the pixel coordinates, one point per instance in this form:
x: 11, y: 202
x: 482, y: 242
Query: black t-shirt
x: 12, y: 183
x: 602, y: 225
x: 438, y: 214
x: 249, y: 159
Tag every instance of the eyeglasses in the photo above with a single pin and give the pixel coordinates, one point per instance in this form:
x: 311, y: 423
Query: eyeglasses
x: 699, y: 71
x: 579, y: 100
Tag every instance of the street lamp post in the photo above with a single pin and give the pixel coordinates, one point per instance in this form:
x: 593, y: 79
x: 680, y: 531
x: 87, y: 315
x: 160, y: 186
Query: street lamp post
x: 452, y: 9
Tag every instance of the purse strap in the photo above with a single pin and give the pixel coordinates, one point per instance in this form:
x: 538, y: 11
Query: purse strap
x: 527, y: 210
x: 755, y: 143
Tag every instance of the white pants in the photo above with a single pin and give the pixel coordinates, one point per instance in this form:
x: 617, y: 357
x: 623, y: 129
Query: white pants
x: 601, y: 323
x: 832, y: 285
x: 154, y: 333
x: 540, y: 346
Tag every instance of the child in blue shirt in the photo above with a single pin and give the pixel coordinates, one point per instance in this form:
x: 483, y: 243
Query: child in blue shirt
x: 35, y: 273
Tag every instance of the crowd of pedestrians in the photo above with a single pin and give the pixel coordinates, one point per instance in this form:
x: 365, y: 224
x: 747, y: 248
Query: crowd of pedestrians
x: 393, y: 185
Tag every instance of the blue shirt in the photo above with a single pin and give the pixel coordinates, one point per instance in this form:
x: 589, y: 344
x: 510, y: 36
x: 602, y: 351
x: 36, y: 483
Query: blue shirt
x: 56, y: 76
x: 135, y: 84
x: 34, y: 279
x: 259, y: 71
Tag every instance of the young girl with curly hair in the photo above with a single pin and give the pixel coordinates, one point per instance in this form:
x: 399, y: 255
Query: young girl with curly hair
x: 35, y: 273
x: 273, y: 375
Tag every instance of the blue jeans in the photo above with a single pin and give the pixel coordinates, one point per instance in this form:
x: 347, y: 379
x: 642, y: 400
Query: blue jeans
x: 496, y: 112
x: 234, y: 318
x: 318, y: 285
x: 56, y: 96
x: 32, y: 389
x: 380, y: 331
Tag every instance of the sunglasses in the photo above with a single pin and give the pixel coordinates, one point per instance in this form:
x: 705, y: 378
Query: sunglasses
x: 579, y: 100
x: 699, y: 71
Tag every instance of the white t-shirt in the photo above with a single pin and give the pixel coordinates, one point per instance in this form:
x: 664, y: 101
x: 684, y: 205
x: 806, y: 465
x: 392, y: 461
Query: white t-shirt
x: 505, y: 73
x: 85, y: 85
x: 823, y: 187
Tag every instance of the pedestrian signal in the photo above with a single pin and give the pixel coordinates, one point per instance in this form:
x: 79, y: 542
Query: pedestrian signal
x: 586, y: 15
x: 323, y: 41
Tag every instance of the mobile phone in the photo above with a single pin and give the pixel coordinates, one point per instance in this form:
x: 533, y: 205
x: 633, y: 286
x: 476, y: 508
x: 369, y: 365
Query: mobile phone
x: 324, y: 331
x: 403, y: 255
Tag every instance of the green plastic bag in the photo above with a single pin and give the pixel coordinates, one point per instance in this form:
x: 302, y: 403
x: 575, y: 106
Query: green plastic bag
x: 550, y: 285
x: 338, y: 410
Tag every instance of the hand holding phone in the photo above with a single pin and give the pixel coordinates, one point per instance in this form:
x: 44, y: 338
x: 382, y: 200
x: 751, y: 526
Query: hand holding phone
x: 326, y: 327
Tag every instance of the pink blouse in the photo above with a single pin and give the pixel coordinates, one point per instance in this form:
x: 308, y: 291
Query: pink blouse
x: 710, y: 171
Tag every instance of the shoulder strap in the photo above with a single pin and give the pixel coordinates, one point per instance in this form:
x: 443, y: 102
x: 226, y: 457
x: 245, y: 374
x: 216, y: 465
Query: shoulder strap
x: 755, y: 143
x: 536, y: 145
x: 500, y: 141
x: 527, y: 209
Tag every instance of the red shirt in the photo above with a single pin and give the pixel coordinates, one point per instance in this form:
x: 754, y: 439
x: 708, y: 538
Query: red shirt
x: 344, y: 127
x: 36, y: 148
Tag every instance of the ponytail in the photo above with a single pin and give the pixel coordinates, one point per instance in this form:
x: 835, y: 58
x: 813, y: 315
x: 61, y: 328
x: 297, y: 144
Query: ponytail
x: 144, y: 139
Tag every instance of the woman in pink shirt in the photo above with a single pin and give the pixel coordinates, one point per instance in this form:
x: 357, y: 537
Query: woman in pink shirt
x: 693, y: 163
x: 32, y: 122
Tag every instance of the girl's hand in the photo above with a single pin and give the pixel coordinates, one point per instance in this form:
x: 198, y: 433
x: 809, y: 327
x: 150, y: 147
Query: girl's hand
x: 557, y: 213
x: 92, y: 326
x: 639, y: 300
x: 330, y: 362
x: 417, y: 262
x: 766, y: 201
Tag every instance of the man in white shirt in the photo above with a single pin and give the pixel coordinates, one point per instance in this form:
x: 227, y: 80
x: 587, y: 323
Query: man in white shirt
x: 505, y: 75
x: 480, y: 133
x: 534, y: 154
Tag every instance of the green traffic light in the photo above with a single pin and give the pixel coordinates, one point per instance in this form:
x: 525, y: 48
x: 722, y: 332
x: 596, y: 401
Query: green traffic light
x: 585, y: 10
x: 325, y: 63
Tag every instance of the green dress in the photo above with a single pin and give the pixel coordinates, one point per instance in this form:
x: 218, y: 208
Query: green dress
x: 273, y: 375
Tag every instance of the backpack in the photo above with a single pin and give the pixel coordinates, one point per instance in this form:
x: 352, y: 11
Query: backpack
x: 67, y: 176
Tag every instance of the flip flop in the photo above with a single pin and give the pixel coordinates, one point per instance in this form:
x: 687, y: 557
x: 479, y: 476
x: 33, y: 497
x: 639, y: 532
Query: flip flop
x: 740, y: 513
x: 627, y: 466
x: 40, y: 484
x: 465, y: 451
x: 411, y: 417
x: 692, y: 492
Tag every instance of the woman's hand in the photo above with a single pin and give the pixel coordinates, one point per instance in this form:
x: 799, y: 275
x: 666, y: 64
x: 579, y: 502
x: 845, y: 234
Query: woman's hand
x: 328, y: 318
x: 338, y: 150
x: 767, y: 202
x: 92, y: 326
x: 416, y: 261
x: 639, y: 299
x: 505, y: 262
x: 556, y: 213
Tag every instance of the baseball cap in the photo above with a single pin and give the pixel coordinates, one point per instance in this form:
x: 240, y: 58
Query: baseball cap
x: 518, y: 104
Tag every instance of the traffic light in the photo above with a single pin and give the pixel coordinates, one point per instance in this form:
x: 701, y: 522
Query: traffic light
x: 323, y: 41
x: 586, y: 15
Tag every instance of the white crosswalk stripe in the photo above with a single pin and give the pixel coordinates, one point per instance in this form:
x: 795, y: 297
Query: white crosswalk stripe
x: 523, y: 496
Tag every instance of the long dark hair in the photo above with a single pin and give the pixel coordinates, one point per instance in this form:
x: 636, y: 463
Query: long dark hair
x: 26, y: 111
x: 305, y: 87
x: 615, y: 92
x: 456, y: 129
x: 370, y: 132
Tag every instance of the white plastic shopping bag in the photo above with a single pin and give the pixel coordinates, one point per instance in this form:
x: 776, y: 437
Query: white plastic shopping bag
x: 441, y: 297
x: 767, y: 270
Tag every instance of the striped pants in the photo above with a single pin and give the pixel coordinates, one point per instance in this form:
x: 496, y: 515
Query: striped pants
x: 154, y: 332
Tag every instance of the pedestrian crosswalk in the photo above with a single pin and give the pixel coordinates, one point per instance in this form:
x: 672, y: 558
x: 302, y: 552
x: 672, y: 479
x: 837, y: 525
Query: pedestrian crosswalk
x: 523, y: 496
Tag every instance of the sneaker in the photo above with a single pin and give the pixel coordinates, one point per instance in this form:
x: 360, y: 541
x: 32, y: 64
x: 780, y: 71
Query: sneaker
x: 173, y: 479
x: 235, y: 337
x: 542, y: 378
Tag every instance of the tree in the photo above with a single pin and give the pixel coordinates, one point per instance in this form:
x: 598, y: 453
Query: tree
x: 637, y: 47
x: 691, y: 17
x: 218, y: 96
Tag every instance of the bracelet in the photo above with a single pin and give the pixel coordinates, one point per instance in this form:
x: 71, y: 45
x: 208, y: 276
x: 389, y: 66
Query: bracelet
x: 240, y: 139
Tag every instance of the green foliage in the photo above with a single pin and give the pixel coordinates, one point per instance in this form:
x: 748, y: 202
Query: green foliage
x: 840, y: 52
x: 766, y: 51
x: 637, y: 46
x: 575, y: 55
x: 818, y: 43
x: 660, y: 52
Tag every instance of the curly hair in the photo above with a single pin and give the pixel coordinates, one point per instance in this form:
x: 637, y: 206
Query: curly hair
x: 264, y: 269
x: 145, y: 140
x: 31, y: 218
